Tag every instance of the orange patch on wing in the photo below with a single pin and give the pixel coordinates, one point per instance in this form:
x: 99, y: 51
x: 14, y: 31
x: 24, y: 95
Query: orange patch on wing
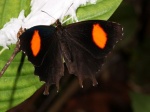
x: 35, y: 43
x: 99, y: 36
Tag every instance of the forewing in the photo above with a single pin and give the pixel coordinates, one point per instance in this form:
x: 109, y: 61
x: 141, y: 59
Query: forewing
x: 35, y: 42
x: 89, y: 45
x: 98, y: 41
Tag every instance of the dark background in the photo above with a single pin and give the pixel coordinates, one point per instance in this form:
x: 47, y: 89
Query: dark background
x: 125, y: 72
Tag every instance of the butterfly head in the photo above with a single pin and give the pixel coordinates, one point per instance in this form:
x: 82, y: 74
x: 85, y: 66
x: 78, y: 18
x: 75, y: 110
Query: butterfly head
x: 58, y: 23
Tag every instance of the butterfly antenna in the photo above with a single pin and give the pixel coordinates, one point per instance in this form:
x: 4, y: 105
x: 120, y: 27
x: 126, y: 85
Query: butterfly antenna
x: 48, y: 14
x: 66, y: 13
x: 68, y: 8
x: 17, y: 49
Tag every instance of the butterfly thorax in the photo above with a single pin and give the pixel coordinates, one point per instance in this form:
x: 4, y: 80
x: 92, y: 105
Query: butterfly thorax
x: 60, y: 34
x: 59, y: 30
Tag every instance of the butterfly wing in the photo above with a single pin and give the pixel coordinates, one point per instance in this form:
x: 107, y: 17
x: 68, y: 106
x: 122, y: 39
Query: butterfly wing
x: 35, y: 41
x: 41, y: 45
x: 89, y: 43
x: 83, y: 46
x: 52, y: 68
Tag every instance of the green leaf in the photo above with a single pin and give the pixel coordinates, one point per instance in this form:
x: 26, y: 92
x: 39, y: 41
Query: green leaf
x: 15, y: 89
x: 140, y: 102
x: 11, y: 9
x: 102, y: 10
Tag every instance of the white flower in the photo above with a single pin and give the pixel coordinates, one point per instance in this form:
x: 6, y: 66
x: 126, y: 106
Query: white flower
x: 55, y: 9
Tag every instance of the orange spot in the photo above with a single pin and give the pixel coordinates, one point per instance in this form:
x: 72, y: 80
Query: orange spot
x: 35, y: 43
x: 99, y: 36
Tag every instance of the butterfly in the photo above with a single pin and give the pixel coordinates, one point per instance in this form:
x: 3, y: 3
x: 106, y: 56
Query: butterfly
x: 82, y: 46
